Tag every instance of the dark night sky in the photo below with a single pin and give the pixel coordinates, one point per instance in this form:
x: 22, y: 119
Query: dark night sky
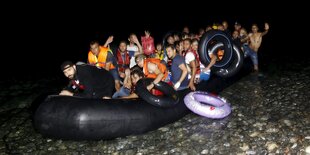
x: 45, y: 38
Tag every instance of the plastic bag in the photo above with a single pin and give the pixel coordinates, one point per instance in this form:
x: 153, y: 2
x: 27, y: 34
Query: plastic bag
x: 148, y: 45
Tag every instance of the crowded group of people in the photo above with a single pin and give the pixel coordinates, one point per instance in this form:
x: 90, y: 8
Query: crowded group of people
x: 114, y: 74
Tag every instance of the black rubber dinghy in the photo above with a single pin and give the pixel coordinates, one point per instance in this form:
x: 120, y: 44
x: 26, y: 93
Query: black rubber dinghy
x: 74, y: 118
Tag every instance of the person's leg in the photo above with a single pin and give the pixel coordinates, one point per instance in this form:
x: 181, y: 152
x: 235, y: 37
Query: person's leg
x: 254, y: 60
x: 122, y: 92
x: 116, y: 77
x: 246, y: 51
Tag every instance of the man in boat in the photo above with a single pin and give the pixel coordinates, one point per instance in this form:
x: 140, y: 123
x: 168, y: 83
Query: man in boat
x: 87, y: 81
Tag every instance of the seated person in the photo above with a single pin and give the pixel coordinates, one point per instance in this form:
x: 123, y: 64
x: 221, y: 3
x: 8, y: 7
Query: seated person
x: 123, y: 58
x: 152, y: 68
x: 125, y: 89
x: 102, y: 56
x: 135, y: 76
x: 87, y: 81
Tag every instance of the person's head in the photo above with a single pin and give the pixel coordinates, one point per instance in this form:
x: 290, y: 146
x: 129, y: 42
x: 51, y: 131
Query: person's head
x: 187, y: 44
x: 122, y: 46
x: 220, y: 27
x: 235, y: 34
x: 170, y: 39
x: 171, y: 51
x: 243, y: 32
x: 136, y: 75
x: 131, y: 38
x: 254, y: 28
x: 225, y: 24
x: 192, y: 36
x: 159, y: 47
x: 194, y: 44
x: 69, y: 69
x: 94, y: 47
x: 185, y: 36
x: 185, y: 30
x: 179, y: 46
x: 176, y: 37
x: 140, y: 60
x: 237, y: 26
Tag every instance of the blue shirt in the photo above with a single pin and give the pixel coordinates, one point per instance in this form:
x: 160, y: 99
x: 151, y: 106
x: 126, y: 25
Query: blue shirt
x: 176, y: 72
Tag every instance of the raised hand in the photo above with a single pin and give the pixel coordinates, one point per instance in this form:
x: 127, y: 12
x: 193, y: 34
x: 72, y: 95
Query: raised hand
x: 147, y: 33
x: 110, y: 39
x: 266, y: 26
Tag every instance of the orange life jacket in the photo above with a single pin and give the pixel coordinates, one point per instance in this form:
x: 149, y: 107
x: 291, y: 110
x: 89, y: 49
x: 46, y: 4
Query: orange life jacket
x: 161, y: 67
x: 99, y: 61
x: 122, y: 65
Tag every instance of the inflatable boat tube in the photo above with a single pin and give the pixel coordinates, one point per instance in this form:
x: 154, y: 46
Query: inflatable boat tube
x: 208, y: 40
x: 169, y: 99
x: 204, y: 104
x: 75, y: 118
x: 233, y: 66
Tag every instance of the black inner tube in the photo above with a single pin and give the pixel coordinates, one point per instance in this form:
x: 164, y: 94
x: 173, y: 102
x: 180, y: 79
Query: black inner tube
x: 170, y: 98
x: 208, y: 40
x: 233, y: 66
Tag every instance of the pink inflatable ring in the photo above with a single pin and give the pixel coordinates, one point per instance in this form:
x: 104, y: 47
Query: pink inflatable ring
x: 207, y: 105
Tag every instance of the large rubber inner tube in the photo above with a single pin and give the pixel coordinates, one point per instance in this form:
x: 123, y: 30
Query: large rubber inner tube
x: 204, y: 104
x: 169, y: 99
x: 233, y: 66
x: 208, y: 40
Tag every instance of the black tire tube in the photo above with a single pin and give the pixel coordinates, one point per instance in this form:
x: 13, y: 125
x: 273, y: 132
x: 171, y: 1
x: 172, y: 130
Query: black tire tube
x: 205, y: 44
x: 170, y: 98
x: 234, y: 66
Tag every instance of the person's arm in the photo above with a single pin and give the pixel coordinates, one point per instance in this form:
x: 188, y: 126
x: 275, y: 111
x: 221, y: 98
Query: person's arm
x: 193, y: 74
x: 245, y: 39
x: 127, y: 79
x: 136, y: 41
x: 191, y: 61
x: 159, y: 75
x: 266, y: 29
x: 109, y: 40
x: 212, y: 62
x: 183, y: 76
x: 108, y: 62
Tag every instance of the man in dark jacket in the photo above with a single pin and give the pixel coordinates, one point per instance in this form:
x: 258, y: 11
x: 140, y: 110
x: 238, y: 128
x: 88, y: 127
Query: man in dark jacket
x: 87, y: 81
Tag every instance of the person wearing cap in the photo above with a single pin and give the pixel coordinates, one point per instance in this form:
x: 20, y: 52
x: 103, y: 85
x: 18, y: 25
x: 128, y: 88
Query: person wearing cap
x: 87, y: 81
